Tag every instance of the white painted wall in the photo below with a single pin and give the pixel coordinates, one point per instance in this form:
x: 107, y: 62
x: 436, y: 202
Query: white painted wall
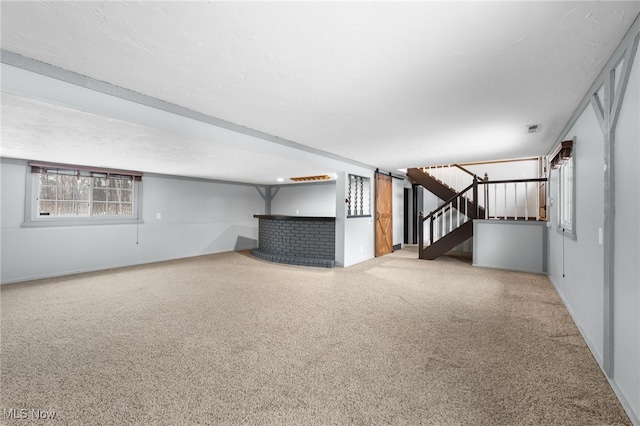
x: 429, y: 201
x: 197, y: 218
x: 582, y: 283
x: 341, y: 216
x: 354, y: 235
x: 513, y: 245
x: 524, y: 169
x: 581, y: 287
x: 627, y: 244
x: 311, y: 199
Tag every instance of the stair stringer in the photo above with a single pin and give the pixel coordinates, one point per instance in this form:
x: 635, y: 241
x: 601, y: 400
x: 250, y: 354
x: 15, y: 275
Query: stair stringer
x: 448, y: 242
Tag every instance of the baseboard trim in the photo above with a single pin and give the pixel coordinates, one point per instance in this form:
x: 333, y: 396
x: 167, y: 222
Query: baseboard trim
x: 633, y: 416
x: 106, y: 268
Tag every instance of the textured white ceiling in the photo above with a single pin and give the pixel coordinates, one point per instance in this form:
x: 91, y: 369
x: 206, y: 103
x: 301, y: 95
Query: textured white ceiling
x: 389, y: 84
x: 55, y: 133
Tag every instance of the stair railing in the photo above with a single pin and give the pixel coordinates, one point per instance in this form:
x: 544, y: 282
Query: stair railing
x: 454, y: 176
x: 449, y: 216
x: 501, y: 200
x: 513, y: 199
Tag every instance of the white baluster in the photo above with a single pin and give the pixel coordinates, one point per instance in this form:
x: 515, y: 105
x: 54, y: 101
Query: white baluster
x: 451, y: 216
x: 515, y: 197
x: 495, y: 200
x: 505, y: 201
x: 526, y: 201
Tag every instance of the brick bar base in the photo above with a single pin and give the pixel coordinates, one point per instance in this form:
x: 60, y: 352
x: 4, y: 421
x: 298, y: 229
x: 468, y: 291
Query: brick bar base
x: 296, y: 240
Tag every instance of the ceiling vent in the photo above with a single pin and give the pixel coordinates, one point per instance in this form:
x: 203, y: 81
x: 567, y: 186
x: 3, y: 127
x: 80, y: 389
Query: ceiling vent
x: 309, y: 178
x: 533, y: 128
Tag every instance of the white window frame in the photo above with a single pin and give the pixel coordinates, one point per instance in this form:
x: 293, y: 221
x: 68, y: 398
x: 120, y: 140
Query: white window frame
x: 566, y: 196
x: 33, y: 218
x: 566, y: 186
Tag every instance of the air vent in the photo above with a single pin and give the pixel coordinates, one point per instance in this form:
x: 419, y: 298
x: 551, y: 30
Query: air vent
x: 533, y: 128
x: 308, y: 178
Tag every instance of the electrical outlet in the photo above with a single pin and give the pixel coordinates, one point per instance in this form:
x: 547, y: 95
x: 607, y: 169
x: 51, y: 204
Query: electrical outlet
x: 158, y: 216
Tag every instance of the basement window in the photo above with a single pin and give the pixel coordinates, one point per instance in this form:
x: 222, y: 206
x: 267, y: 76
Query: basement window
x: 68, y: 195
x: 563, y: 162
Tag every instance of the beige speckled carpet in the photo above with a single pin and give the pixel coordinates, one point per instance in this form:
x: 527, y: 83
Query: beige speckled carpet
x: 229, y: 339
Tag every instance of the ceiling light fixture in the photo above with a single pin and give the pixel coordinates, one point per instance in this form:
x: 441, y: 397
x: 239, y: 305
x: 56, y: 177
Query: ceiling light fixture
x: 280, y: 179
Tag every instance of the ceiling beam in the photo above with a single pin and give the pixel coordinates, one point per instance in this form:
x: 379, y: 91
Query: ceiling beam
x: 28, y: 64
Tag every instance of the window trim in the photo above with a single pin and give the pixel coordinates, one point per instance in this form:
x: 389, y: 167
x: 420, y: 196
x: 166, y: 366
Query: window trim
x: 563, y: 153
x: 32, y: 219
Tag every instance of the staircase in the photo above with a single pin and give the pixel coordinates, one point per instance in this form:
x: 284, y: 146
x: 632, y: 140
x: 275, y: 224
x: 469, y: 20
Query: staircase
x: 443, y: 191
x: 451, y: 224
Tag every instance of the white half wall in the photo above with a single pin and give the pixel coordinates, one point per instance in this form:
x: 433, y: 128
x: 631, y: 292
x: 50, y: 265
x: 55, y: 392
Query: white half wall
x: 197, y: 218
x: 513, y: 245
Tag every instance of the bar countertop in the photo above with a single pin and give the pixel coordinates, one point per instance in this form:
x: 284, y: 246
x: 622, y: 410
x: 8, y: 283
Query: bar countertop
x: 285, y: 217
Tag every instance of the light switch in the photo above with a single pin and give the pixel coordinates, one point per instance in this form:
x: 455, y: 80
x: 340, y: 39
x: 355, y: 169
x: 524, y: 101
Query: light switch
x: 158, y: 216
x: 600, y: 237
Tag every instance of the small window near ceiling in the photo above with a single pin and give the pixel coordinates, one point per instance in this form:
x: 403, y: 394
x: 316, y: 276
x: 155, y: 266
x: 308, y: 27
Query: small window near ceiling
x: 564, y: 162
x: 64, y: 193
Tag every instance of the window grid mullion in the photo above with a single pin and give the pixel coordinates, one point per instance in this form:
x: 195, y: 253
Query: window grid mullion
x: 91, y: 197
x: 56, y: 197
